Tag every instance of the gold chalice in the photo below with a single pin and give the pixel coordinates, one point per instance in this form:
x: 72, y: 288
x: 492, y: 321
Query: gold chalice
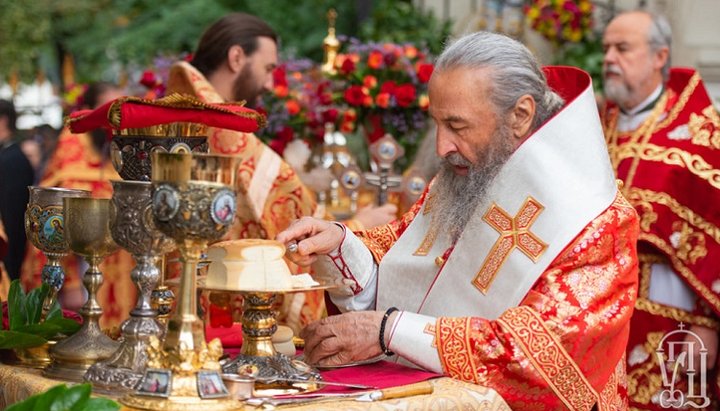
x: 132, y: 227
x: 193, y: 203
x: 87, y: 231
x: 45, y: 227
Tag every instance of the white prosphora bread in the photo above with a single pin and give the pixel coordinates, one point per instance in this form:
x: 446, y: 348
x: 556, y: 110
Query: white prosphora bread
x: 251, y: 264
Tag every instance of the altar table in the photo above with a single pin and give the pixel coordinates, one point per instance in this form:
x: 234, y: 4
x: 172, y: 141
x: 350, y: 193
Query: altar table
x: 17, y: 383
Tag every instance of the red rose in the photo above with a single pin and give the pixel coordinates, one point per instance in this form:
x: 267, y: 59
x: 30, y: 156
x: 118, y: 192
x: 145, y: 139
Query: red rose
x: 405, y: 95
x: 348, y: 66
x: 278, y: 146
x: 354, y: 95
x: 388, y: 87
x: 279, y: 77
x: 148, y: 79
x: 330, y: 115
x: 286, y: 134
x: 424, y: 72
x: 374, y: 128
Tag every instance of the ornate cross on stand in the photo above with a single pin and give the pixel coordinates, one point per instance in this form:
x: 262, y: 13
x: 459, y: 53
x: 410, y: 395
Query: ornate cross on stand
x: 514, y: 233
x: 352, y: 179
x: 385, y: 151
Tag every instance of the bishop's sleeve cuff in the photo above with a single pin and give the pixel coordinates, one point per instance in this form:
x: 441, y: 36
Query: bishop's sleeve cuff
x: 350, y: 267
x: 413, y: 338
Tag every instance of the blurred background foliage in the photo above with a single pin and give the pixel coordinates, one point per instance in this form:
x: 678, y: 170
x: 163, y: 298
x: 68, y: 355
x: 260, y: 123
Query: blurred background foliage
x: 109, y: 37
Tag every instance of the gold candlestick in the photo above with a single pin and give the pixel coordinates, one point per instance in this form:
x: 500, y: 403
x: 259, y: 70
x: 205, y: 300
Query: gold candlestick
x: 331, y: 45
x: 194, y: 203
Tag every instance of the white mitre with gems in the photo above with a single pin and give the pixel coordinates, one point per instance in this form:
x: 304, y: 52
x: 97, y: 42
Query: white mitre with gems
x: 552, y: 186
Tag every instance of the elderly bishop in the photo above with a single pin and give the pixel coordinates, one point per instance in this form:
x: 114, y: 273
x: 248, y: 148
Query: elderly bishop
x: 517, y: 269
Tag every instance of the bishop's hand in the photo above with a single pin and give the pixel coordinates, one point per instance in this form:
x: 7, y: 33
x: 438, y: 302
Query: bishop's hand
x: 342, y: 339
x: 310, y: 237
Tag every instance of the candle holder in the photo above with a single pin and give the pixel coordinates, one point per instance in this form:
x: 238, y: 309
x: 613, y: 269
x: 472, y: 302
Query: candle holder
x: 193, y: 202
x: 45, y: 228
x: 87, y: 230
x: 132, y: 227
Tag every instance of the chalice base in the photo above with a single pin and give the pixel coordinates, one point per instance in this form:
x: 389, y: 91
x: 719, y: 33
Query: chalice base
x: 183, y: 397
x: 73, y: 356
x: 125, y: 368
x: 32, y: 357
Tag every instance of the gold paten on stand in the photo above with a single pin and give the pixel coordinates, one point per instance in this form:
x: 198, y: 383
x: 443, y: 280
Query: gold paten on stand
x: 258, y: 357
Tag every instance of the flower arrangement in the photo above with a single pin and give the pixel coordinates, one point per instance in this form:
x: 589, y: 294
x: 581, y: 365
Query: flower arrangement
x: 378, y: 88
x: 300, y: 105
x: 561, y: 21
x: 386, y: 84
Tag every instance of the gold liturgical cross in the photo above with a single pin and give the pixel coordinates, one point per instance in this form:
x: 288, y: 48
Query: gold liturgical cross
x: 430, y: 329
x: 514, y: 233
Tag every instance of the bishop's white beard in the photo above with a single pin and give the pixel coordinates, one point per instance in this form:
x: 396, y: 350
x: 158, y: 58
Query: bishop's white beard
x: 456, y: 197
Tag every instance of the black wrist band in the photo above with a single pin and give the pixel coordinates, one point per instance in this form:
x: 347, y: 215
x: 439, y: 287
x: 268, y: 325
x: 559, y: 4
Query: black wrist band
x: 383, y: 323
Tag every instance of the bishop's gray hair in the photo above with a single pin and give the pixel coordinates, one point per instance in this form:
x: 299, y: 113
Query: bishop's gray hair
x: 515, y: 71
x: 660, y: 36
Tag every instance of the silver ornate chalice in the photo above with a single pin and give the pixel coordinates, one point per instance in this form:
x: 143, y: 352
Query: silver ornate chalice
x: 131, y: 149
x: 45, y: 228
x: 132, y: 227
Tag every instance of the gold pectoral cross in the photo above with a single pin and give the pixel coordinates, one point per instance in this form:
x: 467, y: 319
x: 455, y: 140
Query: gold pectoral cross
x: 514, y: 233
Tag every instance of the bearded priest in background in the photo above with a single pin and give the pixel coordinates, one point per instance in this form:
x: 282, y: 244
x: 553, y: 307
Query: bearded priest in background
x: 517, y: 269
x: 663, y: 137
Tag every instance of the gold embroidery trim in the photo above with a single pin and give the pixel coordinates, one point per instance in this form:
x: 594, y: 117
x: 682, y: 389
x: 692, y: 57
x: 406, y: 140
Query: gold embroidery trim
x: 682, y: 101
x: 430, y: 329
x: 514, y: 233
x: 700, y: 125
x: 549, y: 358
x: 427, y: 243
x: 429, y: 203
x: 637, y: 194
x: 672, y: 156
x: 644, y: 274
x: 680, y: 267
x: 455, y: 349
x: 673, y: 313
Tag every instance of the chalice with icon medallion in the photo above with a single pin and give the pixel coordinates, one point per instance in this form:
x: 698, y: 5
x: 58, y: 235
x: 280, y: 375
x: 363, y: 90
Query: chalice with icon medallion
x: 45, y: 228
x: 194, y: 203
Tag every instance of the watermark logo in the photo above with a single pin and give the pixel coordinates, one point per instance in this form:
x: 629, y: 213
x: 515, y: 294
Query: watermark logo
x: 686, y: 360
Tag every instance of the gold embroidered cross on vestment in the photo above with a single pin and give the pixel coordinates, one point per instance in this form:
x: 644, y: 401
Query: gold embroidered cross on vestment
x: 430, y: 329
x: 514, y: 233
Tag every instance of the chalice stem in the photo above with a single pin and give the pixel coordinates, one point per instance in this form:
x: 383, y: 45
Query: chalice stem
x: 92, y: 280
x: 54, y: 276
x: 185, y: 327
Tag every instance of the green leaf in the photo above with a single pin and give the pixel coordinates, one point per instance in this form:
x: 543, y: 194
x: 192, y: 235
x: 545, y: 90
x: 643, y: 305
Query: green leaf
x: 16, y: 305
x: 51, y: 328
x: 54, y: 312
x: 62, y: 398
x: 14, y: 339
x: 34, y: 302
x: 38, y: 402
x: 101, y: 404
x: 73, y: 399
